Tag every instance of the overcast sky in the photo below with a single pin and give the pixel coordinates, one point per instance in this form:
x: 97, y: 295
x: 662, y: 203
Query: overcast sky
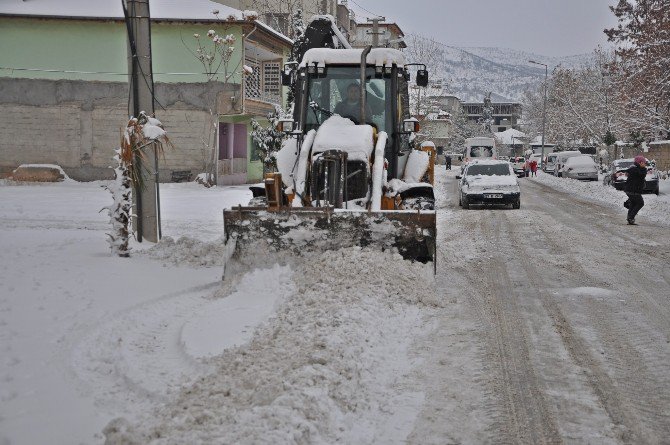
x: 545, y: 27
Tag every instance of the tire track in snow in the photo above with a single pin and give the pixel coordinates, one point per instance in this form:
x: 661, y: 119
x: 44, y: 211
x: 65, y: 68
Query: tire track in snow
x: 630, y: 377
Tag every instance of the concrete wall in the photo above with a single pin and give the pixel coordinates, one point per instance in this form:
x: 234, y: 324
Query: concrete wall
x: 660, y: 152
x: 77, y: 124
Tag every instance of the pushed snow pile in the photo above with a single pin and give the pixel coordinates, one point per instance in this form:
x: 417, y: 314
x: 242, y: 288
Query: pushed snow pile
x: 339, y: 133
x: 189, y: 251
x: 417, y: 164
x: 326, y: 368
x: 228, y: 322
x: 39, y: 173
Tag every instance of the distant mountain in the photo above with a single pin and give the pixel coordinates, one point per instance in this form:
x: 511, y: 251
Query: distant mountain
x: 469, y: 73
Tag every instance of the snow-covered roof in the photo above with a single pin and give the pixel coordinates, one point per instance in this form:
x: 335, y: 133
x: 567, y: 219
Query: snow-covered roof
x: 377, y: 57
x: 200, y: 10
x: 505, y: 137
x: 160, y: 9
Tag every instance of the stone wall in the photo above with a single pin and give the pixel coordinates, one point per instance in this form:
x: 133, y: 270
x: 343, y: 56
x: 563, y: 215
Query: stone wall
x: 660, y: 152
x: 77, y: 124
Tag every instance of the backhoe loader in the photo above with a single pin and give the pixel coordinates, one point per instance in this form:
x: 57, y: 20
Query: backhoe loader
x: 348, y: 174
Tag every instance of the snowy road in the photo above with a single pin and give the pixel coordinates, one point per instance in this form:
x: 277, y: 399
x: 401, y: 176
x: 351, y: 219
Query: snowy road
x: 546, y: 324
x: 559, y: 327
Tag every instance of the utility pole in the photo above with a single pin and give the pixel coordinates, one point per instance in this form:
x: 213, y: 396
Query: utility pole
x: 544, y: 106
x: 375, y: 30
x: 146, y: 203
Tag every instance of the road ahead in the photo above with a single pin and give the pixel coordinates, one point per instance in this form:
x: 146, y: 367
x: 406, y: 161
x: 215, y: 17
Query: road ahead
x: 558, y: 327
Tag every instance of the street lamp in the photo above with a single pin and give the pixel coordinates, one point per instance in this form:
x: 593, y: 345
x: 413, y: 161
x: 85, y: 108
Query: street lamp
x: 544, y: 106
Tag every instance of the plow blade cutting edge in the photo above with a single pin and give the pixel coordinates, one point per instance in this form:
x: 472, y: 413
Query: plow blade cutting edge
x: 256, y: 233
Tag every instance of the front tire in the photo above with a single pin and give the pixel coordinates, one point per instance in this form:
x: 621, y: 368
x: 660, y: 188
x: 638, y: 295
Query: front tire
x: 517, y: 204
x: 465, y: 204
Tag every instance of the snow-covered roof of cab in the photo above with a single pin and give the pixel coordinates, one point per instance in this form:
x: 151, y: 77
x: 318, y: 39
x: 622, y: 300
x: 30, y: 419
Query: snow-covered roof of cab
x: 329, y: 56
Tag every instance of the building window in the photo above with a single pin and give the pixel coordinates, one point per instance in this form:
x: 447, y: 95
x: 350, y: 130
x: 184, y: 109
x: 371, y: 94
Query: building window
x: 272, y: 81
x: 252, y: 81
x: 265, y: 81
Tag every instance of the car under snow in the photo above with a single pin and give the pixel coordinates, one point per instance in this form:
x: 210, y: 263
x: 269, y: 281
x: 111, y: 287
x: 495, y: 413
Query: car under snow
x: 489, y: 182
x: 581, y: 167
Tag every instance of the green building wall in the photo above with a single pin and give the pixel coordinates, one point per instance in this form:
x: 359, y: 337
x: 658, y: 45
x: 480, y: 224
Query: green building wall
x: 97, y: 46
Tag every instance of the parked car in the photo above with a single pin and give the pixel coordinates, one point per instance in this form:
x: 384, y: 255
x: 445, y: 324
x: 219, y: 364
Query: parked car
x: 550, y: 163
x: 489, y: 182
x: 581, y: 167
x: 560, y: 161
x: 517, y: 166
x: 618, y: 176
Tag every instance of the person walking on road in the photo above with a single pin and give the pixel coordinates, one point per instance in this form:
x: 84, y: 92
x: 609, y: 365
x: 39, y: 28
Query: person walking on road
x: 526, y: 168
x: 448, y: 162
x: 533, y: 167
x: 634, y: 186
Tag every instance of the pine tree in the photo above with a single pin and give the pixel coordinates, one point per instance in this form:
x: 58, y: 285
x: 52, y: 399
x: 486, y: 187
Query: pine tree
x: 298, y: 35
x: 268, y: 139
x: 486, y: 120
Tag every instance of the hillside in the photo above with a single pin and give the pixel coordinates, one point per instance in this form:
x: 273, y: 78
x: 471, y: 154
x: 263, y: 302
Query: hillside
x: 470, y: 72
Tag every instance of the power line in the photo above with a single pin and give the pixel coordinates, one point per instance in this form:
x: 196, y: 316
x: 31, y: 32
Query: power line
x: 366, y: 10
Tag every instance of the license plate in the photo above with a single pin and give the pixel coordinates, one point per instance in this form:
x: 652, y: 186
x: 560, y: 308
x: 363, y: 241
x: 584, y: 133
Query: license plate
x: 582, y: 174
x: 493, y: 195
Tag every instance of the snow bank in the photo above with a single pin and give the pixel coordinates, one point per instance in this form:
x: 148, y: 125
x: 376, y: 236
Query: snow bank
x: 656, y: 208
x: 230, y: 321
x: 324, y: 369
x: 188, y: 251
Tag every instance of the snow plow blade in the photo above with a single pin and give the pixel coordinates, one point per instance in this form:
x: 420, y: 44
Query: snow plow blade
x: 255, y: 232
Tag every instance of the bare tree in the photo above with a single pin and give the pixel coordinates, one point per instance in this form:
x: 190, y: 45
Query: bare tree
x: 215, y: 54
x: 643, y: 49
x: 583, y: 104
x: 277, y: 13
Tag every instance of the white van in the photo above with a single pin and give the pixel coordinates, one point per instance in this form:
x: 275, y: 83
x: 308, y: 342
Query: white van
x: 480, y: 148
x: 550, y: 163
x: 560, y: 161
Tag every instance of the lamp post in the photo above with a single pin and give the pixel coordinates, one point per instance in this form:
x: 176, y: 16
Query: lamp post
x: 544, y: 106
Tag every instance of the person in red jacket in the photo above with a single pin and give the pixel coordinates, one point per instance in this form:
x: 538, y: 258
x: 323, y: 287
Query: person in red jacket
x: 533, y: 167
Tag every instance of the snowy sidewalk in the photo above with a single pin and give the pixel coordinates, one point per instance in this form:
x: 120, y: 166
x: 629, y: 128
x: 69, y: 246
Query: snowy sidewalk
x: 656, y: 208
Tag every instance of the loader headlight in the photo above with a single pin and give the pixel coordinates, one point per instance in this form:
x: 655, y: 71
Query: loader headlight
x: 410, y: 126
x: 285, y: 125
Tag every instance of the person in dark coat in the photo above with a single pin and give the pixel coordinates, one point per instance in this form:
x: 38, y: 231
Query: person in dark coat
x: 448, y: 162
x: 634, y: 186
